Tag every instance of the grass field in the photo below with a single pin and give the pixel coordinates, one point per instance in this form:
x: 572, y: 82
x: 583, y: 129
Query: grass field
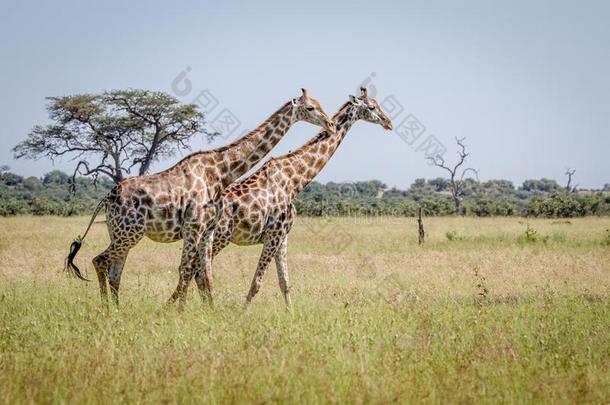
x: 481, y: 312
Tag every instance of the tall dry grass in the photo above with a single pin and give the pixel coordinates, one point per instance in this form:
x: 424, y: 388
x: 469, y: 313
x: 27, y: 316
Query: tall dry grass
x: 480, y: 312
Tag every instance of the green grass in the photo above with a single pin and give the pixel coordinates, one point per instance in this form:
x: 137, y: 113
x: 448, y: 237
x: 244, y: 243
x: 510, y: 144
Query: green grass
x: 376, y: 318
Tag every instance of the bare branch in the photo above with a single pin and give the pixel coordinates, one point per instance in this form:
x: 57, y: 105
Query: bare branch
x: 439, y: 161
x: 456, y: 184
x: 475, y: 171
x: 570, y: 173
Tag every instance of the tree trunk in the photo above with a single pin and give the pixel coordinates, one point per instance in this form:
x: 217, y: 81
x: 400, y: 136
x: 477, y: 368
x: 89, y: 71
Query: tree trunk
x: 147, y: 161
x: 458, y: 202
x: 455, y: 193
x: 420, y: 225
x: 151, y: 153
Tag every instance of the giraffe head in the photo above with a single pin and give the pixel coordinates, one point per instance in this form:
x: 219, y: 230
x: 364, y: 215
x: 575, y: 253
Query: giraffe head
x: 368, y: 109
x: 309, y: 109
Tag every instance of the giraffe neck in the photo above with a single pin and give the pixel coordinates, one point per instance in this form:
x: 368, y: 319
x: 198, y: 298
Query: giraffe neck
x: 311, y: 158
x: 243, y: 154
x: 233, y: 160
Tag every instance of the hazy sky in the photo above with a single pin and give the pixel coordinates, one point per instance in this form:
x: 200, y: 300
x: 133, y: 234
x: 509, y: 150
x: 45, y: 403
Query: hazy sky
x: 527, y: 82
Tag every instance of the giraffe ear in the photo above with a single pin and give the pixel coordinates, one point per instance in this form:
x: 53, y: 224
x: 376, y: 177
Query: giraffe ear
x: 295, y: 102
x: 305, y: 93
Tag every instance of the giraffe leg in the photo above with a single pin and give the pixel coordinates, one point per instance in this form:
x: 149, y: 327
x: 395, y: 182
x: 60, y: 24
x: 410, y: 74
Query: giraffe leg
x: 281, y: 265
x: 185, y: 262
x: 269, y: 249
x: 204, y: 270
x: 187, y: 267
x: 125, y: 232
x: 101, y: 277
x: 204, y: 283
x: 102, y: 263
x: 114, y: 276
x: 109, y: 266
x: 202, y: 286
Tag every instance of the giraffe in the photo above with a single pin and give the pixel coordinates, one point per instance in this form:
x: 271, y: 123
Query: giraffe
x: 260, y: 209
x: 178, y: 203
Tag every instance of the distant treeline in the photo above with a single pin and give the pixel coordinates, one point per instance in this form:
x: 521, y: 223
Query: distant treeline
x: 51, y: 195
x: 542, y: 197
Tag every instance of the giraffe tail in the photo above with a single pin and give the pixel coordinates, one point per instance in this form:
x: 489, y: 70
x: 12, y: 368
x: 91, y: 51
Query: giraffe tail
x: 69, y: 266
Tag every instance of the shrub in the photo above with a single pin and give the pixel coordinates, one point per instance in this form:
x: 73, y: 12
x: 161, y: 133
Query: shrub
x: 606, y: 238
x: 13, y: 207
x: 564, y: 205
x: 454, y: 236
x: 485, y: 207
x: 532, y: 236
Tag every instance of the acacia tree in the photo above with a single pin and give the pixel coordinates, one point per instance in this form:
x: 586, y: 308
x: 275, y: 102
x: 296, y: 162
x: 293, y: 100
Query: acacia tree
x: 456, y: 179
x: 116, y: 133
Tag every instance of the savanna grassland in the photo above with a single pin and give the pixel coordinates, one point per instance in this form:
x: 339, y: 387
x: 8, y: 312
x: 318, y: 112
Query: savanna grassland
x: 484, y: 311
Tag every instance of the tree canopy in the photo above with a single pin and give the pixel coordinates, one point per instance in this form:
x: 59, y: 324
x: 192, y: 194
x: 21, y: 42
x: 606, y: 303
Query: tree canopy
x: 115, y: 133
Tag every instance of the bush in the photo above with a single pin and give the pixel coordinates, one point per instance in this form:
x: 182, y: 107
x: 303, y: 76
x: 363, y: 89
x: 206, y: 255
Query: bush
x: 564, y: 205
x: 49, y: 196
x: 606, y: 238
x: 485, y: 207
x: 453, y: 236
x: 13, y: 207
x: 532, y: 236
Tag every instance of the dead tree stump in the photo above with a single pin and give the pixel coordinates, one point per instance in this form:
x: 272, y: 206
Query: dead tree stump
x: 420, y: 225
